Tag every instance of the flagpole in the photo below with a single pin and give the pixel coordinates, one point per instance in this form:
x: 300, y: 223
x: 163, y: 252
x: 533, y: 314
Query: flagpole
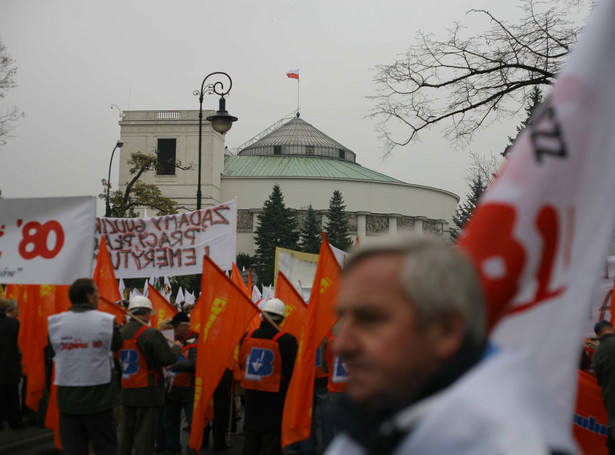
x: 297, y: 94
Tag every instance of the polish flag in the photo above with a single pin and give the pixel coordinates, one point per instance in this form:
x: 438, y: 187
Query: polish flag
x: 293, y: 74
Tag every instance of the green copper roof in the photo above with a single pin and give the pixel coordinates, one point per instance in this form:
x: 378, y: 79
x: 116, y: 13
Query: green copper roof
x: 300, y: 166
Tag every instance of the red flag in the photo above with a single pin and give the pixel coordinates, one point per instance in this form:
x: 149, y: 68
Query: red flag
x: 590, y: 421
x: 224, y: 313
x: 320, y: 319
x: 250, y: 284
x: 296, y: 309
x: 107, y: 284
x: 293, y: 74
x: 162, y: 308
x: 112, y: 308
x: 236, y: 278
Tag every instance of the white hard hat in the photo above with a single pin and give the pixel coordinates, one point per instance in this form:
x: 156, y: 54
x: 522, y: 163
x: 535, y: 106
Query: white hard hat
x: 139, y: 301
x: 275, y: 306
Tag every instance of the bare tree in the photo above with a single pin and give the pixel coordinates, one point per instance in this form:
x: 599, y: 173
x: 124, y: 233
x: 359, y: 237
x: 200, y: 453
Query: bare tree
x: 7, y: 81
x: 469, y: 80
x: 137, y: 194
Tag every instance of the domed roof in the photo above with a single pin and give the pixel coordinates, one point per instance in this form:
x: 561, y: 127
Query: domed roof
x: 297, y: 137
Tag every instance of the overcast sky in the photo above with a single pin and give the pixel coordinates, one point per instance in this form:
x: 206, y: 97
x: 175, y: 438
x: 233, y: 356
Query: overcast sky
x: 75, y: 58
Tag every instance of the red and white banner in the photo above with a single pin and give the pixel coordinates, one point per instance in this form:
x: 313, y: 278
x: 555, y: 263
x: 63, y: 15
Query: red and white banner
x: 540, y: 236
x: 46, y: 240
x: 170, y: 245
x: 293, y: 74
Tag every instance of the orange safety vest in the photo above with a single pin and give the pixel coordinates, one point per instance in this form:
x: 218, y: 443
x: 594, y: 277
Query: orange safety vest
x: 184, y: 379
x: 135, y: 373
x: 262, y: 364
x: 338, y: 377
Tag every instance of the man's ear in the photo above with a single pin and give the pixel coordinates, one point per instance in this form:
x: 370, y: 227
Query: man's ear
x: 447, y: 335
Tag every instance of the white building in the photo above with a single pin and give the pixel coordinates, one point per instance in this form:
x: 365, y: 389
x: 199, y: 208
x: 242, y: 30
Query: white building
x: 307, y: 165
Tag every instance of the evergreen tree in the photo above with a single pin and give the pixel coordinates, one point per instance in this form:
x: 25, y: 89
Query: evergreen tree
x: 534, y: 100
x: 464, y: 211
x: 310, y: 238
x: 277, y: 227
x: 337, y: 226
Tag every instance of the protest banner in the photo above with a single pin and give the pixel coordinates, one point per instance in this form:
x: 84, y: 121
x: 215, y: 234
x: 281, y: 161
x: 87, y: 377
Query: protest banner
x: 540, y: 234
x: 170, y: 245
x: 46, y: 240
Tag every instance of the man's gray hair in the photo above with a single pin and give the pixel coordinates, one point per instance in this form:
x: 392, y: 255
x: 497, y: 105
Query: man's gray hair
x: 438, y: 279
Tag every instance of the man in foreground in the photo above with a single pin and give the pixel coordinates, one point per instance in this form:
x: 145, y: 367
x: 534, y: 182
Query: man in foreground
x: 603, y: 363
x: 421, y: 378
x: 82, y: 340
x: 144, y: 353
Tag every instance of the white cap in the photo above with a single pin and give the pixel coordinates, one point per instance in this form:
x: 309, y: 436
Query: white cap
x: 275, y: 306
x: 139, y: 301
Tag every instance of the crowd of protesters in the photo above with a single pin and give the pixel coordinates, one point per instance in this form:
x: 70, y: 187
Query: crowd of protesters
x: 130, y: 388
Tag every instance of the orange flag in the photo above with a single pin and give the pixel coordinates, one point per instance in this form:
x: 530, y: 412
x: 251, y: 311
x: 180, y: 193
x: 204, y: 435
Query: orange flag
x: 108, y: 288
x: 250, y: 284
x: 162, y: 308
x: 224, y: 314
x: 236, y: 278
x: 320, y: 319
x: 104, y: 275
x: 296, y: 309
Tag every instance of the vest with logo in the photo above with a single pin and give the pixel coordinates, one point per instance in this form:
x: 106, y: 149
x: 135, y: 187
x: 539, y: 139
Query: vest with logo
x: 135, y: 373
x: 262, y: 363
x: 338, y: 378
x: 185, y: 379
x: 82, y: 345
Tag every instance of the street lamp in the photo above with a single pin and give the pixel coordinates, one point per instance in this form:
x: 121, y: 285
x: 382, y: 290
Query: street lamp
x: 221, y: 121
x: 119, y: 145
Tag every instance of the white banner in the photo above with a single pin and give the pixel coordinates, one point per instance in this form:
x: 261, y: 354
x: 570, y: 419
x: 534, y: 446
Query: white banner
x: 170, y: 245
x: 46, y: 240
x: 540, y: 235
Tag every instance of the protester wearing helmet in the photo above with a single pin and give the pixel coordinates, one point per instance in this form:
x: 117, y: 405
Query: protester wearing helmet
x: 267, y: 358
x: 144, y: 353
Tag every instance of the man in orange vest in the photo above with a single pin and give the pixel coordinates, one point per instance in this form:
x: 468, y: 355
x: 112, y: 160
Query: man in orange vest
x: 267, y: 358
x: 180, y: 383
x: 144, y: 353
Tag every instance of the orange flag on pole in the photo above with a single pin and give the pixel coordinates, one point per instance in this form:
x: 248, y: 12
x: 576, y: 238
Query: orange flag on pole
x: 224, y: 313
x: 236, y: 278
x: 296, y: 309
x: 105, y: 276
x: 320, y: 319
x: 162, y: 308
x: 108, y: 288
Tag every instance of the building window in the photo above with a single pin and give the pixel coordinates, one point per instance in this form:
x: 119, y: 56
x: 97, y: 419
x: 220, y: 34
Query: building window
x: 166, y: 157
x: 277, y: 149
x: 309, y: 149
x: 342, y: 155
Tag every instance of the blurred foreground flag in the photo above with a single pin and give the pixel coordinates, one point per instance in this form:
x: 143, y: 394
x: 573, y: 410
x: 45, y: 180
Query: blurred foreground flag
x: 539, y: 237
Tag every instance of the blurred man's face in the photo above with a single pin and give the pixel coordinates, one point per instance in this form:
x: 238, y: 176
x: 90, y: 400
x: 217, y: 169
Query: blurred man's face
x: 180, y: 330
x: 387, y: 356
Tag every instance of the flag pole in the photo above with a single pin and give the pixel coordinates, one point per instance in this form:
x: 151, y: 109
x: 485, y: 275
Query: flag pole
x: 297, y: 94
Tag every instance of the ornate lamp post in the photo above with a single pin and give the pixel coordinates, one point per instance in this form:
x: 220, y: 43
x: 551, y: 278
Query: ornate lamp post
x: 119, y: 145
x: 221, y: 121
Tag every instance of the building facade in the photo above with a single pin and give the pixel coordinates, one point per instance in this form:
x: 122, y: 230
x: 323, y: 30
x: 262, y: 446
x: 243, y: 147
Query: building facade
x: 307, y: 164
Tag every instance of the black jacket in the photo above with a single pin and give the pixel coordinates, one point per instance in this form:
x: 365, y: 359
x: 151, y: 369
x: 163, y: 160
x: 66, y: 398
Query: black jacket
x: 10, y: 357
x: 264, y: 409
